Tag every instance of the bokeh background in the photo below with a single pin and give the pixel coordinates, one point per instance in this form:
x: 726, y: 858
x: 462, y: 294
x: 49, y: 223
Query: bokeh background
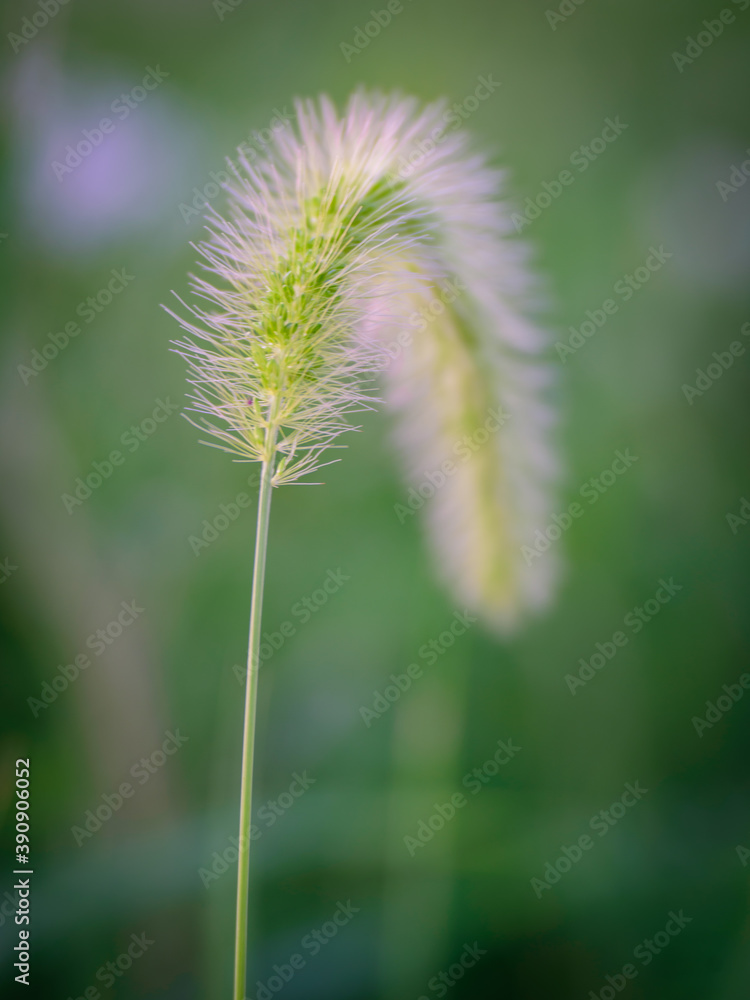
x: 150, y: 868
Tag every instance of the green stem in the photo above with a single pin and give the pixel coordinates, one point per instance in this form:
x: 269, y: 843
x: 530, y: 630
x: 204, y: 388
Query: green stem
x: 248, y: 739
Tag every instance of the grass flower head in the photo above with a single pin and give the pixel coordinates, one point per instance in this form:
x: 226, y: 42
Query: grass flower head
x: 337, y: 246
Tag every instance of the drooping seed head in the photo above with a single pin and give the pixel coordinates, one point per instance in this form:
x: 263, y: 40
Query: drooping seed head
x: 374, y: 240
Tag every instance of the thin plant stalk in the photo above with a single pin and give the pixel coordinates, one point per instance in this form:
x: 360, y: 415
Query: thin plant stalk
x: 248, y: 737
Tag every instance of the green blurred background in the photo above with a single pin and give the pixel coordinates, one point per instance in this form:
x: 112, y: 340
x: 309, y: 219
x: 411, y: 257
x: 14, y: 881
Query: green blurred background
x: 128, y: 206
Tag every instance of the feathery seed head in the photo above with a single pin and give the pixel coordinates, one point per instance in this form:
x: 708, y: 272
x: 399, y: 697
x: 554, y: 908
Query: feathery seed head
x: 339, y: 244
